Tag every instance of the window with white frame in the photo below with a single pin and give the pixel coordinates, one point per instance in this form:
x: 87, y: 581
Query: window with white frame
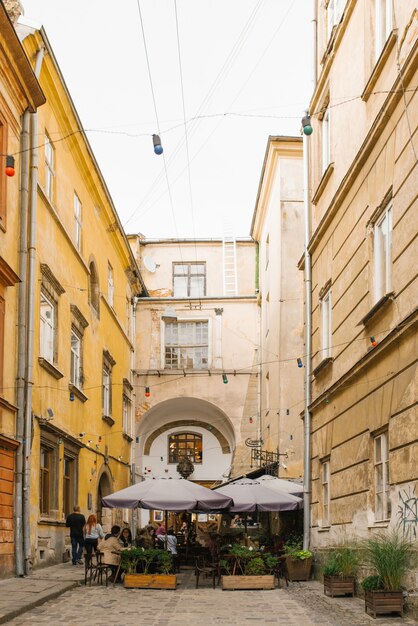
x: 75, y: 370
x: 383, y: 24
x: 108, y: 363
x: 77, y: 221
x: 325, y: 480
x: 127, y: 408
x: 381, y: 477
x: 335, y: 10
x: 49, y: 168
x: 110, y: 285
x: 189, y: 280
x: 48, y: 315
x: 326, y: 325
x: 382, y: 254
x: 326, y: 140
x: 186, y: 345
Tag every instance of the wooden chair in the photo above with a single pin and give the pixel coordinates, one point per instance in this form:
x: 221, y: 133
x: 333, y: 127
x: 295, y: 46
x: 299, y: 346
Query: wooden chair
x: 208, y: 570
x: 95, y: 570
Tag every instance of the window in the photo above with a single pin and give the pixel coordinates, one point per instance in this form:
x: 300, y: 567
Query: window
x: 325, y: 479
x: 75, y: 373
x: 94, y: 289
x: 382, y: 254
x: 189, y: 280
x: 381, y: 478
x: 326, y: 140
x: 2, y: 315
x: 127, y: 415
x: 108, y: 363
x: 267, y: 250
x: 383, y: 24
x: 44, y: 487
x: 110, y: 285
x: 49, y: 168
x: 335, y: 10
x: 183, y: 445
x: 77, y: 222
x: 186, y: 345
x: 48, y: 328
x: 68, y: 485
x: 326, y: 328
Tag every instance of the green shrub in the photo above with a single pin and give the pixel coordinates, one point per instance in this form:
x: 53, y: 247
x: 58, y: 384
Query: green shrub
x: 372, y: 583
x: 390, y: 555
x: 256, y: 567
x: 341, y: 561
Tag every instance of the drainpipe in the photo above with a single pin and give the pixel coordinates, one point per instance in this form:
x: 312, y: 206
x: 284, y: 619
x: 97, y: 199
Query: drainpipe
x: 30, y: 323
x: 134, y: 519
x: 21, y: 341
x: 315, y: 43
x: 308, y: 308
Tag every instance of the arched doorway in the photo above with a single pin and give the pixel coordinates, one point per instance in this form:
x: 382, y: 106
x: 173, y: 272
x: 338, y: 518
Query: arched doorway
x: 104, y: 488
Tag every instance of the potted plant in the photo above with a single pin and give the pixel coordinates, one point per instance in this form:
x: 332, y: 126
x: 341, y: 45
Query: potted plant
x: 339, y: 570
x: 138, y: 558
x: 298, y: 561
x: 246, y: 568
x: 390, y: 556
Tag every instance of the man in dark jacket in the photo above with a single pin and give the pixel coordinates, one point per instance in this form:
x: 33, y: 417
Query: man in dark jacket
x: 76, y: 522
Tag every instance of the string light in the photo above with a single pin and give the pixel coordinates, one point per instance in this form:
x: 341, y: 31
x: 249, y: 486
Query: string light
x: 373, y: 341
x: 10, y: 165
x: 300, y: 364
x: 147, y: 392
x: 158, y: 149
x: 224, y: 379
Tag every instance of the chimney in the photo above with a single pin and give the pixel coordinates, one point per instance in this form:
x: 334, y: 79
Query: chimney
x: 14, y: 8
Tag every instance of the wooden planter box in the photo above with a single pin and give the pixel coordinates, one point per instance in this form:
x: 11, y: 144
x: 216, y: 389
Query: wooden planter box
x: 339, y: 585
x: 150, y: 581
x: 248, y: 582
x: 298, y: 569
x: 382, y: 602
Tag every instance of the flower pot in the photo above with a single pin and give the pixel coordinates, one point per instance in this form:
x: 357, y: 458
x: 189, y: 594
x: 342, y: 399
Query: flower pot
x: 298, y: 569
x: 150, y: 581
x: 382, y: 602
x: 248, y: 582
x: 339, y: 585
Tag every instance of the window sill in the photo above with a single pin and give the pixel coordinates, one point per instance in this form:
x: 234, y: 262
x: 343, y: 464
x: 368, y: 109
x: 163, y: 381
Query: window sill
x: 323, y: 365
x: 51, y: 521
x: 109, y: 420
x: 50, y: 368
x: 323, y: 183
x: 382, y: 524
x: 380, y: 64
x: 324, y: 529
x: 77, y: 392
x: 127, y: 437
x: 377, y: 308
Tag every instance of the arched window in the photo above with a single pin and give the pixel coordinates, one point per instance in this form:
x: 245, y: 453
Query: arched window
x: 181, y: 445
x: 94, y: 291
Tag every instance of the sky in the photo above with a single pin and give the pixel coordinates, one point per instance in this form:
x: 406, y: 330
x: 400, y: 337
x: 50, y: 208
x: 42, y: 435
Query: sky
x: 236, y: 71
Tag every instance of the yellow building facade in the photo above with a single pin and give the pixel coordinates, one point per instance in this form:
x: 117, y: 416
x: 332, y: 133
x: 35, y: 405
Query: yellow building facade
x: 20, y: 94
x: 364, y: 174
x: 85, y: 283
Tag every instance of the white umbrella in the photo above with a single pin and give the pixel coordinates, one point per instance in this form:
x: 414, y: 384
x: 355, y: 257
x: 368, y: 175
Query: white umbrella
x: 250, y: 495
x: 279, y: 484
x: 167, y: 494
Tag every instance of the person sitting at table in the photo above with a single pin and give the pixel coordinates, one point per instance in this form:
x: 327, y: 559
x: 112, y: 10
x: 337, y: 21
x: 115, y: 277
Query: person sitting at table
x: 108, y: 547
x: 125, y: 538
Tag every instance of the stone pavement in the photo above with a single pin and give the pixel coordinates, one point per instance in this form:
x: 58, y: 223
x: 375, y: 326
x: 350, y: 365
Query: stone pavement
x: 301, y: 604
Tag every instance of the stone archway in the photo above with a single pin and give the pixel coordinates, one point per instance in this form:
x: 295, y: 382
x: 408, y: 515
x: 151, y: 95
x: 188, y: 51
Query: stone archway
x: 104, y: 488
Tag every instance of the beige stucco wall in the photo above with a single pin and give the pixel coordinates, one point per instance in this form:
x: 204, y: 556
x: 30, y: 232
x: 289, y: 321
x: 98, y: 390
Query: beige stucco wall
x: 366, y: 389
x: 233, y: 343
x: 278, y: 227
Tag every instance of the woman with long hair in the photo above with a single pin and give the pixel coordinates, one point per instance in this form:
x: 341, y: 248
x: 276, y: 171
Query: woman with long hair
x: 92, y: 533
x: 125, y: 538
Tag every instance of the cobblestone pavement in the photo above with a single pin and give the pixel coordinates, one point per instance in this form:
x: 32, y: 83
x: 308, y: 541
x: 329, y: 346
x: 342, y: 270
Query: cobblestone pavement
x: 300, y: 604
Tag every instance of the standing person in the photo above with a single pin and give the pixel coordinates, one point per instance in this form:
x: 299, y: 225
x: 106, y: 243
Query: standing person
x: 125, y: 538
x: 92, y: 533
x: 172, y: 547
x: 75, y: 522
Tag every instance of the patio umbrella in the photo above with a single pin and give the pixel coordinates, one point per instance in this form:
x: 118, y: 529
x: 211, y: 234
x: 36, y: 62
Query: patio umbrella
x: 167, y: 494
x: 250, y: 495
x: 279, y: 484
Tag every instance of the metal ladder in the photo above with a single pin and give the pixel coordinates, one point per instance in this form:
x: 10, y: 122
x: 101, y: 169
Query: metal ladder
x: 229, y: 253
